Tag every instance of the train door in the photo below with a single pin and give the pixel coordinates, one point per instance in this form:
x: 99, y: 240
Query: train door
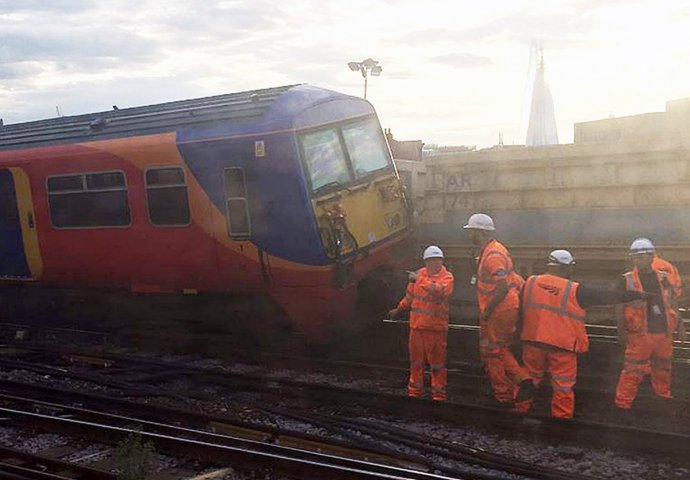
x: 239, y: 227
x: 236, y: 205
x: 19, y: 251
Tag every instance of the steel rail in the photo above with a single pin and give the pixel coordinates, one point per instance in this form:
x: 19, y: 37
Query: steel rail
x: 45, y: 467
x: 286, y: 459
x: 624, y: 438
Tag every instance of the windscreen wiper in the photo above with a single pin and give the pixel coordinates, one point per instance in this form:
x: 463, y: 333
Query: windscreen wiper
x: 326, y: 186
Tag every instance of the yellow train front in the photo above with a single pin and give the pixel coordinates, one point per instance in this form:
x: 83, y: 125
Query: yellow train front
x: 359, y: 208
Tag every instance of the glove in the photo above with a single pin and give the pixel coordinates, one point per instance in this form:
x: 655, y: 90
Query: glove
x: 393, y: 314
x: 412, y: 276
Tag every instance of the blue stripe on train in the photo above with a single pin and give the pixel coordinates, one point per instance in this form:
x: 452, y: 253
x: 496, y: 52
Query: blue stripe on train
x: 280, y: 207
x: 12, y: 257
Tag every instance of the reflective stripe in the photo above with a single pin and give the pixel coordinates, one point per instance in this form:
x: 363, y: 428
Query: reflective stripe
x: 559, y: 311
x: 636, y: 361
x: 530, y: 287
x: 560, y: 388
x: 417, y: 364
x: 415, y: 385
x: 564, y: 302
x: 428, y: 299
x: 489, y: 344
x: 437, y: 368
x: 438, y: 390
x: 566, y: 294
x: 431, y: 313
x: 629, y: 281
x: 563, y: 378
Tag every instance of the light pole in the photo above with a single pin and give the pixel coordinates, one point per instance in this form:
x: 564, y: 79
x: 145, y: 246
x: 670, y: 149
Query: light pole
x: 366, y: 67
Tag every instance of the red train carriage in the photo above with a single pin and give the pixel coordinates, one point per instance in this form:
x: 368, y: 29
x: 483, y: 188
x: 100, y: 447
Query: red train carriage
x: 287, y: 192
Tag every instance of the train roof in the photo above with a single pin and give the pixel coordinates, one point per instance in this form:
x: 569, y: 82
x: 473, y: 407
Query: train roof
x: 150, y: 119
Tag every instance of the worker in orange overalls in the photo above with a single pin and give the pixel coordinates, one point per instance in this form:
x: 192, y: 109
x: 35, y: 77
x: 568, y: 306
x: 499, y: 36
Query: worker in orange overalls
x: 498, y: 287
x: 671, y: 273
x: 553, y: 330
x: 427, y: 298
x: 646, y: 328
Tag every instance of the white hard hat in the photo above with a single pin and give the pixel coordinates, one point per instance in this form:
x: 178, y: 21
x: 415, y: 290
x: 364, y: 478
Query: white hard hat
x: 642, y: 245
x: 480, y: 221
x: 433, y: 252
x: 560, y: 257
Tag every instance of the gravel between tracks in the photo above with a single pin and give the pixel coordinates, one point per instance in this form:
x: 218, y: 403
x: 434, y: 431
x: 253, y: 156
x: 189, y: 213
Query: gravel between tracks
x: 589, y: 461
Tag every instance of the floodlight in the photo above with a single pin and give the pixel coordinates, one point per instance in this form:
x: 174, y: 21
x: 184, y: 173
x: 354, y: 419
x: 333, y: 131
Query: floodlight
x: 354, y: 66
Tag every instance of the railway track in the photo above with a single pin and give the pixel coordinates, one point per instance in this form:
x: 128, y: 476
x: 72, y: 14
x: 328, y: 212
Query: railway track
x: 467, y: 381
x: 211, y: 447
x: 368, y: 451
x: 17, y: 464
x: 622, y: 438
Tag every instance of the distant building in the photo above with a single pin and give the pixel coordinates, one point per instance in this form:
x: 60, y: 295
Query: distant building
x: 646, y: 127
x: 439, y: 150
x: 405, y: 150
x: 542, y: 118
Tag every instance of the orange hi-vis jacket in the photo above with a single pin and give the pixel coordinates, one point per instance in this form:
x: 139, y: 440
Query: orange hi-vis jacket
x: 673, y: 276
x: 427, y: 300
x: 636, y: 312
x: 552, y: 315
x: 494, y: 266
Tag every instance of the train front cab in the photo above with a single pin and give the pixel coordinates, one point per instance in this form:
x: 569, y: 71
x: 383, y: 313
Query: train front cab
x: 356, y: 196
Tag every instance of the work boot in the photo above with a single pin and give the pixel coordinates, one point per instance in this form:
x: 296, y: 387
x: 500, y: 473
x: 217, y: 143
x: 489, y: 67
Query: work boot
x: 526, y: 391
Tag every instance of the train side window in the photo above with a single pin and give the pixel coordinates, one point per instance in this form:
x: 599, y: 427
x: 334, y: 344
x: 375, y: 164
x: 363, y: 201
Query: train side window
x: 166, y: 197
x: 88, y: 200
x: 236, y: 205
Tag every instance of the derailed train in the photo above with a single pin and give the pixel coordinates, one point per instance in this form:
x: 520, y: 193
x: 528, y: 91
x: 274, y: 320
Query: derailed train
x: 289, y: 193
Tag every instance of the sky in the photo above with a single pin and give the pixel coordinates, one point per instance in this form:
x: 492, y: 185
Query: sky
x: 454, y: 72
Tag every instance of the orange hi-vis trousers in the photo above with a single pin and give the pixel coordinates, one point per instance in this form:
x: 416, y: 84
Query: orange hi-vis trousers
x: 562, y: 367
x: 645, y: 353
x: 504, y: 372
x: 428, y: 346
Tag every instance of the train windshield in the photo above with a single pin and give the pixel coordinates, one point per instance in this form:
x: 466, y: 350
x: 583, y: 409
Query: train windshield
x: 325, y: 158
x: 340, y: 155
x: 366, y: 147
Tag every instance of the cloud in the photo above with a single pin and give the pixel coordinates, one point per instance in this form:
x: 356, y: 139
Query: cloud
x: 523, y: 26
x: 58, y: 6
x: 462, y: 60
x: 84, y: 46
x: 12, y: 71
x: 85, y: 56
